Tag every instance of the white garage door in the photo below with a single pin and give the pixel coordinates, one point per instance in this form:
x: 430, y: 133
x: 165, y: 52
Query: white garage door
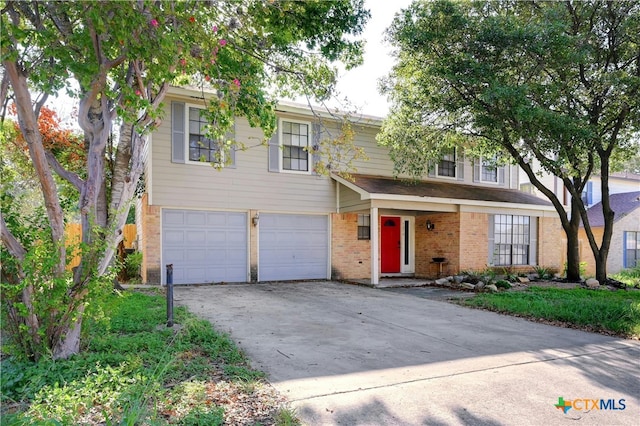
x: 204, y: 246
x: 293, y: 247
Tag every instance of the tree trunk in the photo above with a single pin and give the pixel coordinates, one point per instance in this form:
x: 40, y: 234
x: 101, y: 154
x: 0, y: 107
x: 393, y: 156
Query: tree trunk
x: 573, y: 243
x: 127, y: 170
x: 69, y: 342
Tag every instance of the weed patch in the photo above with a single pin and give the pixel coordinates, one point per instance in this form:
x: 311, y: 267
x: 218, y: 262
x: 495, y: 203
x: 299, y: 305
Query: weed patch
x: 132, y: 370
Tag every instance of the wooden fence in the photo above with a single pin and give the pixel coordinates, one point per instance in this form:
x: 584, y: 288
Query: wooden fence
x: 73, y: 236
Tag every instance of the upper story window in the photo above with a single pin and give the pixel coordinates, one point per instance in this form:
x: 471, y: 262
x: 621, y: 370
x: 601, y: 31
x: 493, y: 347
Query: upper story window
x: 489, y: 169
x: 295, y: 138
x: 201, y: 148
x: 189, y: 143
x: 447, y: 165
x: 587, y: 194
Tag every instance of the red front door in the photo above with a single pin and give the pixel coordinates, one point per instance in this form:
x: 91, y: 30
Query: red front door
x: 390, y: 244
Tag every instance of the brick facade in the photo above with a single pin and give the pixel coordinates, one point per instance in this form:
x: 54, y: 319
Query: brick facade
x: 150, y: 215
x: 552, y: 244
x: 442, y: 241
x: 350, y: 257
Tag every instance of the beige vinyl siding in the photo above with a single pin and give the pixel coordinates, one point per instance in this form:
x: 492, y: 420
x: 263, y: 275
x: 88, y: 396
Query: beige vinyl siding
x: 247, y: 186
x: 350, y: 201
x: 379, y: 162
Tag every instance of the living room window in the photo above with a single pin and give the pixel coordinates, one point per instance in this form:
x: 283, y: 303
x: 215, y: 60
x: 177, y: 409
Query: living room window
x: 364, y: 227
x: 446, y: 167
x: 512, y: 238
x: 631, y: 249
x: 295, y: 137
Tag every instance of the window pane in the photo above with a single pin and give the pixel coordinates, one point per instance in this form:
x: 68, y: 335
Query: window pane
x: 194, y: 114
x: 286, y: 127
x: 631, y: 240
x: 295, y: 140
x: 295, y: 128
x: 286, y: 163
x: 303, y: 129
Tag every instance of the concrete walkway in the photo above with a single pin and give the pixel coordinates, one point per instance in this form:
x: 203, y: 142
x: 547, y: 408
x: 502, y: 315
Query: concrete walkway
x: 351, y: 355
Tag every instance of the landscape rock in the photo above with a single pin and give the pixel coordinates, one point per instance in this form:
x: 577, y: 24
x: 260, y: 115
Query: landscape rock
x: 458, y: 279
x: 442, y: 281
x: 492, y: 288
x: 467, y: 286
x: 480, y: 285
x: 592, y: 283
x: 523, y: 280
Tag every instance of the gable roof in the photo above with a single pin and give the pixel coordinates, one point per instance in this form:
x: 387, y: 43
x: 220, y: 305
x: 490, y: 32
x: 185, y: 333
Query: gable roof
x: 390, y: 188
x: 622, y: 204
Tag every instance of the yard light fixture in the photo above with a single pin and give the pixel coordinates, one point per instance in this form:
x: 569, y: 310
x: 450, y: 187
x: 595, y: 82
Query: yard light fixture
x: 256, y: 219
x: 430, y: 225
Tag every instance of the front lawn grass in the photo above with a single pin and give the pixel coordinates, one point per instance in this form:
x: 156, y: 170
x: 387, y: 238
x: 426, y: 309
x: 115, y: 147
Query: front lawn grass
x: 603, y: 311
x: 134, y: 370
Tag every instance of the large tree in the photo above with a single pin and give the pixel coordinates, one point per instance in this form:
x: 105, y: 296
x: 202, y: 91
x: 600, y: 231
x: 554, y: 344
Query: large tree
x: 551, y: 83
x: 117, y: 60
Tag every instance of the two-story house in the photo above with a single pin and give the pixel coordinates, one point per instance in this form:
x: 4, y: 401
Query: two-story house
x: 266, y: 216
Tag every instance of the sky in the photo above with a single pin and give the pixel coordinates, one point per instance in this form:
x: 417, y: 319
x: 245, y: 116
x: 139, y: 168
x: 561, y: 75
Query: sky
x: 360, y: 85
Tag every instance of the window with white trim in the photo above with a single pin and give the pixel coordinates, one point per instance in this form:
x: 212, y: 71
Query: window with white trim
x: 200, y: 147
x: 364, y: 227
x: 489, y: 169
x: 295, y: 137
x: 512, y: 239
x: 631, y: 249
x: 446, y: 167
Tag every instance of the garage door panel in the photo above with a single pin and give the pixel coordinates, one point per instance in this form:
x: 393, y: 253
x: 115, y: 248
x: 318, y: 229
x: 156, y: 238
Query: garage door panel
x: 195, y: 218
x: 204, y: 247
x: 195, y: 238
x: 293, y: 247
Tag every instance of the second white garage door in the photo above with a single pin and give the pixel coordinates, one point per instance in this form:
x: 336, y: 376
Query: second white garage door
x: 293, y: 247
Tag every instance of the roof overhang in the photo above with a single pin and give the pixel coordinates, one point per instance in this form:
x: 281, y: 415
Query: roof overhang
x: 414, y: 202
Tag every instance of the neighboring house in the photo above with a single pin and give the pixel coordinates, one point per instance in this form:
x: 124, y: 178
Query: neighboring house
x: 624, y: 251
x: 619, y: 182
x: 268, y: 217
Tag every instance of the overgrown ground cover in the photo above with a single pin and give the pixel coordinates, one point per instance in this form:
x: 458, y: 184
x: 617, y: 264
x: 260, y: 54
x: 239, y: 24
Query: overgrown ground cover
x: 604, y: 311
x: 135, y: 370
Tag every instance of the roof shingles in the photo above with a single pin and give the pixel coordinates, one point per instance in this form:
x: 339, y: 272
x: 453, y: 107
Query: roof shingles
x: 622, y: 204
x: 434, y: 189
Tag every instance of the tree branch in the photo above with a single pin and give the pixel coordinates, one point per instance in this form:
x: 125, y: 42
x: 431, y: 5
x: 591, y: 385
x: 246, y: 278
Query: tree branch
x: 10, y: 242
x: 70, y: 177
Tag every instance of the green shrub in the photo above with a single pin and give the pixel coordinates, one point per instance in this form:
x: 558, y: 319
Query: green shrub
x: 503, y: 284
x: 132, y: 264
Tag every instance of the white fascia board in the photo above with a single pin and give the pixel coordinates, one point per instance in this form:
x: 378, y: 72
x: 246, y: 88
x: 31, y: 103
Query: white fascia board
x: 364, y: 195
x: 462, y: 202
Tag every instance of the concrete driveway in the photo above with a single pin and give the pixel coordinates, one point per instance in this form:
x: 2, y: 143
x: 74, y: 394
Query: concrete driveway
x: 352, y: 355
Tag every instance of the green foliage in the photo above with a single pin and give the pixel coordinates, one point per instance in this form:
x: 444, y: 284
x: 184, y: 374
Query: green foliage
x: 630, y: 276
x: 132, y: 264
x: 543, y: 272
x: 132, y: 367
x: 287, y: 417
x: 503, y: 284
x: 204, y: 417
x: 551, y: 86
x: 616, y: 312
